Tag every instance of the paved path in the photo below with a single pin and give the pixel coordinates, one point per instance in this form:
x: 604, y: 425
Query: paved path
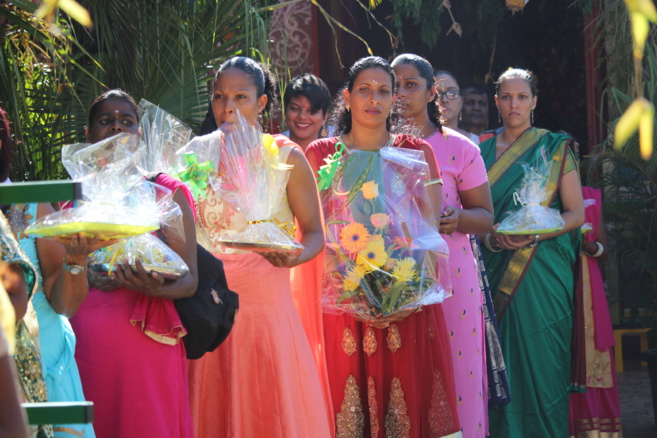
x: 636, y: 402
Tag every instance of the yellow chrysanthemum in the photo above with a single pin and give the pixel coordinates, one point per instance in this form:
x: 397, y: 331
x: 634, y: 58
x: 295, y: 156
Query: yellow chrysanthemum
x: 405, y: 269
x: 352, y: 279
x: 370, y: 190
x: 374, y: 254
x: 354, y: 237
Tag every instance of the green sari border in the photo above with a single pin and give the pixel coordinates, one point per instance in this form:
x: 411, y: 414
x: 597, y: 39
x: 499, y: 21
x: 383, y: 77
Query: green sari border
x: 519, y: 148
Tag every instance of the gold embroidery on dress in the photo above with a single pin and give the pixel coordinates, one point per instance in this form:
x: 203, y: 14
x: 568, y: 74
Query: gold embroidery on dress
x: 441, y: 422
x: 350, y: 420
x: 369, y: 341
x: 393, y: 339
x: 19, y: 219
x: 371, y: 401
x: 349, y: 343
x: 28, y: 365
x: 598, y: 363
x: 398, y: 424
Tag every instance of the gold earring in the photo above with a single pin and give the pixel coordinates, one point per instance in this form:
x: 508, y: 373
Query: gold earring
x: 347, y: 107
x: 391, y: 111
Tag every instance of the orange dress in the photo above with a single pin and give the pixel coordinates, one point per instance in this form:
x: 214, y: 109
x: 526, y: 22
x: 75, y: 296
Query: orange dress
x: 262, y: 381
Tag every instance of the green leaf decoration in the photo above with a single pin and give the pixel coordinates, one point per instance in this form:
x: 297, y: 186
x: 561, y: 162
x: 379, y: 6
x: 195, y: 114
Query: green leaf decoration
x: 195, y: 174
x: 326, y: 173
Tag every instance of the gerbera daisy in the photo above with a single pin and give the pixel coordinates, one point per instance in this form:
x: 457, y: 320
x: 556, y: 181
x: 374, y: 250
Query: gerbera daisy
x: 354, y: 237
x: 374, y: 254
x: 405, y: 269
x: 403, y: 243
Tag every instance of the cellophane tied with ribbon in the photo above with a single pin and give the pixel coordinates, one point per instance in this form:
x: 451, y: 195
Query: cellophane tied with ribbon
x: 384, y: 253
x: 154, y: 254
x: 253, y: 180
x: 164, y: 136
x: 115, y: 204
x: 534, y: 215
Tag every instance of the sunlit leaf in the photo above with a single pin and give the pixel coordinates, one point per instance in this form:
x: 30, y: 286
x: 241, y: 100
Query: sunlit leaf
x: 641, y: 12
x: 629, y: 123
x: 375, y: 3
x: 46, y: 10
x: 646, y: 126
x: 76, y: 12
x: 643, y: 7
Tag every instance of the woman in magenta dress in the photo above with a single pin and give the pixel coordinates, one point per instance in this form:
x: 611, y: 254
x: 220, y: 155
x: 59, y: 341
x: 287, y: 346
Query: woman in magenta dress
x: 467, y: 209
x: 262, y: 381
x: 137, y: 381
x: 392, y: 377
x: 597, y: 411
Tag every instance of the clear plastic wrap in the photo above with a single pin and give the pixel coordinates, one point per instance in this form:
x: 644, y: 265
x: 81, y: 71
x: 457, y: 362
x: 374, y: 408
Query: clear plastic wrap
x: 384, y: 253
x: 154, y: 255
x: 117, y: 202
x: 254, y: 180
x: 197, y: 163
x: 164, y: 136
x: 534, y: 215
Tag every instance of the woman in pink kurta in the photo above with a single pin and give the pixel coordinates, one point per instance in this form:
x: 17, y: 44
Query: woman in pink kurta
x: 467, y: 208
x: 131, y: 360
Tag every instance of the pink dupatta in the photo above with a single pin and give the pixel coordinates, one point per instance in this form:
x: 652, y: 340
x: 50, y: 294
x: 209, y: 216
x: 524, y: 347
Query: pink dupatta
x: 604, y: 334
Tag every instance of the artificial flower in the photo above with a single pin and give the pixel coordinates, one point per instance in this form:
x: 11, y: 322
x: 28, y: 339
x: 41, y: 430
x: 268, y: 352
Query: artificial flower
x: 403, y: 243
x: 354, y: 237
x: 351, y: 281
x: 370, y: 190
x: 380, y: 220
x: 374, y: 254
x: 405, y: 269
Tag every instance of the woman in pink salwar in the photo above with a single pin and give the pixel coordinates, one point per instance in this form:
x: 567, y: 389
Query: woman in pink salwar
x: 132, y: 363
x: 467, y: 209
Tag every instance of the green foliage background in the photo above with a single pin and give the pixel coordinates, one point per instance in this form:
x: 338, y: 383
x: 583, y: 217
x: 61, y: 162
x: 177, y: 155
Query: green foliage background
x: 160, y: 50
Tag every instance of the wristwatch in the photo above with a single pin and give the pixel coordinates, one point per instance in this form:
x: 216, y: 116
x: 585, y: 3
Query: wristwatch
x: 74, y: 269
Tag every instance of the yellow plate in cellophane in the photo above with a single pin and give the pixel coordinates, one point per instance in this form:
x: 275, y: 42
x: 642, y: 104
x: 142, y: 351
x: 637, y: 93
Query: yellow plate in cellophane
x: 91, y: 229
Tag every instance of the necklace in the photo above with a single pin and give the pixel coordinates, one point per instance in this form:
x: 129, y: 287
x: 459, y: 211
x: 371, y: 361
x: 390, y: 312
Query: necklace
x: 387, y: 144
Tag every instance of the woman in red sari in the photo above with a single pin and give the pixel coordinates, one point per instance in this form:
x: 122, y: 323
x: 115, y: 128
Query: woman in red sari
x: 391, y: 377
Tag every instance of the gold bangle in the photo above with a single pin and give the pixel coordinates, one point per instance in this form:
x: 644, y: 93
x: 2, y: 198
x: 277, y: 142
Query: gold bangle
x: 433, y: 181
x: 488, y: 244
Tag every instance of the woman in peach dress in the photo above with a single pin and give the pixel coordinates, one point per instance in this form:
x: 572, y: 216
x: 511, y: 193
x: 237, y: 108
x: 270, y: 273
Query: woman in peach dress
x: 262, y: 381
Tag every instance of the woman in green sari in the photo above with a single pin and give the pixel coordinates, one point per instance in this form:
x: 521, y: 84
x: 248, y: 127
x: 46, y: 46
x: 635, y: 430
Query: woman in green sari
x: 531, y: 276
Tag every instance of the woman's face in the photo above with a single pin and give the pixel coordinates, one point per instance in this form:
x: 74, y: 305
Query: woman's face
x: 412, y: 91
x: 449, y: 107
x: 234, y: 90
x: 515, y: 103
x: 304, y: 122
x: 113, y: 116
x: 371, y: 98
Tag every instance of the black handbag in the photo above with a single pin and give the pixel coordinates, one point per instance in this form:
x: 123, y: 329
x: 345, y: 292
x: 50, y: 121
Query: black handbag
x: 209, y: 314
